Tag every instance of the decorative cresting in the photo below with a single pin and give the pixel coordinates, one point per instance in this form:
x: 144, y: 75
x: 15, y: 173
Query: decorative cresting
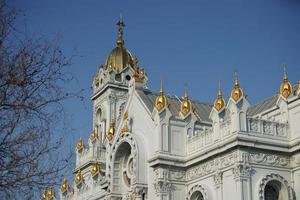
x: 79, y: 178
x: 286, y: 88
x: 270, y: 177
x: 111, y: 132
x: 80, y: 145
x: 186, y: 104
x: 119, y: 57
x: 95, y: 170
x: 219, y: 103
x: 93, y: 136
x: 237, y: 91
x: 64, y: 188
x: 161, y: 100
x: 197, y: 188
x: 125, y: 128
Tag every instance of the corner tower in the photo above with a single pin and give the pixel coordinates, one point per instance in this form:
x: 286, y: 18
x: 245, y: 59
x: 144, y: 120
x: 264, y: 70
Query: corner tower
x: 110, y: 86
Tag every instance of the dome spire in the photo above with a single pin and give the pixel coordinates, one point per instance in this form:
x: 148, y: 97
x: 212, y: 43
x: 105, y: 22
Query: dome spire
x: 219, y: 102
x: 121, y: 25
x: 186, y: 104
x: 285, y: 88
x: 237, y: 91
x: 161, y: 100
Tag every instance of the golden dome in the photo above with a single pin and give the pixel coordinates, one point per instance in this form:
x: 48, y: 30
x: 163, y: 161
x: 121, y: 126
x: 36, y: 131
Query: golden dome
x: 161, y: 100
x: 111, y: 132
x: 186, y: 105
x: 237, y: 91
x: 64, y: 186
x: 79, y: 178
x: 119, y: 57
x: 219, y: 102
x: 286, y: 88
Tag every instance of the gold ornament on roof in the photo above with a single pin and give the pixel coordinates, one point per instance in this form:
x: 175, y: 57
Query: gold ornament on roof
x: 186, y: 104
x: 93, y: 136
x: 125, y: 128
x: 138, y: 72
x: 219, y: 102
x: 161, y: 100
x: 95, y: 169
x: 119, y: 57
x: 64, y: 186
x: 132, y: 196
x: 80, y: 145
x: 51, y: 193
x: 44, y: 195
x: 96, y: 80
x: 285, y: 88
x: 78, y: 178
x: 111, y: 132
x: 237, y: 91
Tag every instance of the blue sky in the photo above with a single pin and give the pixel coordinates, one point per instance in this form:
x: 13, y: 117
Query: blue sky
x: 192, y: 42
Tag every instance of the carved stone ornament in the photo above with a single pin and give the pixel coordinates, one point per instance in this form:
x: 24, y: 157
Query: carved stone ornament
x: 197, y: 188
x: 162, y: 183
x: 218, y: 179
x: 241, y: 171
x: 285, y: 186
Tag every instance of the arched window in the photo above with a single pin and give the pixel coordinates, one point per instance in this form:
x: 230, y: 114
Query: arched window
x: 197, y: 195
x: 274, y: 191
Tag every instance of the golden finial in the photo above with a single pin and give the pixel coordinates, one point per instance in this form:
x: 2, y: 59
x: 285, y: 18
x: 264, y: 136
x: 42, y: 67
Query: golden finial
x: 95, y: 169
x: 121, y: 25
x: 298, y: 83
x: 125, y: 128
x: 286, y: 88
x: 132, y: 196
x: 44, y: 195
x: 111, y: 131
x: 219, y: 102
x: 93, y: 136
x: 51, y: 193
x: 64, y: 186
x: 237, y: 91
x: 186, y: 104
x: 161, y: 100
x: 79, y: 177
x: 80, y: 145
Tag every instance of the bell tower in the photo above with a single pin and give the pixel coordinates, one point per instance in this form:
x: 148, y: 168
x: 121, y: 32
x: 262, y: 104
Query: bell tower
x: 110, y: 86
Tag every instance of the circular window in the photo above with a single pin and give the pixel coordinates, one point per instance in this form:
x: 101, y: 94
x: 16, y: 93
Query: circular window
x: 128, y: 78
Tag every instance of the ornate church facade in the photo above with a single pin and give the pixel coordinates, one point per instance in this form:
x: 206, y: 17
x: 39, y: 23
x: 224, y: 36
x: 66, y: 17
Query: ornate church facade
x: 150, y: 146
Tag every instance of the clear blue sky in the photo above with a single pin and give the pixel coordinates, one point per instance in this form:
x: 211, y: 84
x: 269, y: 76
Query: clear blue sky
x: 193, y: 42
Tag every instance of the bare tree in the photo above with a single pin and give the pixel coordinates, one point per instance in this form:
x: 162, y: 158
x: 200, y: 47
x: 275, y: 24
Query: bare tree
x: 32, y: 75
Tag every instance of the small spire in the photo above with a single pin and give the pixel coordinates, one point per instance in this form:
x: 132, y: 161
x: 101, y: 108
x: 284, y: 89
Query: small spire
x: 186, y: 95
x: 236, y: 80
x: 285, y: 78
x: 121, y: 25
x: 219, y: 90
x: 161, y: 91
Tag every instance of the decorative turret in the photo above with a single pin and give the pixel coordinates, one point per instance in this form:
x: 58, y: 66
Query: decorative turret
x: 161, y: 100
x: 95, y: 170
x: 119, y: 57
x: 285, y: 88
x: 219, y: 103
x: 111, y: 132
x: 64, y: 186
x: 237, y: 91
x: 93, y: 136
x: 125, y: 128
x: 79, y: 178
x: 80, y: 145
x: 186, y: 104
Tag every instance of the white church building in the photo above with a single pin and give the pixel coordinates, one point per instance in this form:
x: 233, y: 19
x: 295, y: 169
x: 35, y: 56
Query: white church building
x: 146, y: 145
